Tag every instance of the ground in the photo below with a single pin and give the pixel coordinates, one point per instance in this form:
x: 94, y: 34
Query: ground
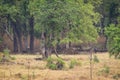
x: 26, y: 66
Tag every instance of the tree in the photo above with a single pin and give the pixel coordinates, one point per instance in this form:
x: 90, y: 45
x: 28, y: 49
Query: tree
x: 111, y: 24
x: 112, y: 33
x: 64, y: 21
x: 109, y: 10
x: 31, y: 22
x: 48, y: 15
x: 8, y: 12
x: 18, y: 21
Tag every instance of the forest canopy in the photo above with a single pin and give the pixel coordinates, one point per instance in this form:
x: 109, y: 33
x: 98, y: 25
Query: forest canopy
x: 56, y: 22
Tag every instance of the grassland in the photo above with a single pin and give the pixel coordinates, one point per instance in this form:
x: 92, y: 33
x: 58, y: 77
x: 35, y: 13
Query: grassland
x: 26, y: 67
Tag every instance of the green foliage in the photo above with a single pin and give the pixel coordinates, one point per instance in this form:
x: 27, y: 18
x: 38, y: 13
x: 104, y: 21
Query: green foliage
x: 13, y: 58
x: 113, y: 34
x: 67, y: 20
x: 105, y: 70
x: 6, y: 55
x: 6, y: 52
x: 52, y: 66
x: 95, y: 59
x: 50, y: 63
x: 73, y: 63
x: 55, y: 63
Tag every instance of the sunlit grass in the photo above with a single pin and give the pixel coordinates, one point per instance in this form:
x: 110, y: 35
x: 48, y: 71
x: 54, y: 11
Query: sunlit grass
x: 39, y: 71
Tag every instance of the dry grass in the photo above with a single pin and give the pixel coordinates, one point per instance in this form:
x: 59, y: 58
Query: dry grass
x: 38, y: 71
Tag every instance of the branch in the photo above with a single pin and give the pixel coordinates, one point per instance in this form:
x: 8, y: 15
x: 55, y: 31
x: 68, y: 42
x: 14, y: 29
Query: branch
x: 8, y: 34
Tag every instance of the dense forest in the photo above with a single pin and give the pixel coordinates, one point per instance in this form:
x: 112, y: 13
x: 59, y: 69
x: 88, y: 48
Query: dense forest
x: 60, y: 25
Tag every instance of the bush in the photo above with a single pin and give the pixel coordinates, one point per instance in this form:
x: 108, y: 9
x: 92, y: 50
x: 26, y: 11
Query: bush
x: 95, y: 59
x: 113, y: 40
x: 6, y: 55
x: 74, y: 62
x: 50, y: 60
x: 60, y: 63
x: 6, y: 52
x: 13, y: 58
x: 52, y: 66
x: 55, y: 63
x: 105, y: 70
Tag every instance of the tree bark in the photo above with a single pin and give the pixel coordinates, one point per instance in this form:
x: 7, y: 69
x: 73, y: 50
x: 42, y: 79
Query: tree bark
x: 25, y: 33
x: 15, y: 43
x: 42, y: 48
x: 31, y: 22
x: 56, y: 53
x: 45, y: 46
x: 20, y: 43
x: 18, y: 32
x: 17, y: 37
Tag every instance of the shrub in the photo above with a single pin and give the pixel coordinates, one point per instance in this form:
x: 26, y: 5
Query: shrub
x: 5, y: 55
x: 95, y: 59
x: 105, y: 70
x: 6, y: 52
x: 60, y: 63
x: 13, y: 58
x: 52, y: 66
x: 55, y: 63
x: 74, y: 62
x: 49, y: 60
x: 66, y: 67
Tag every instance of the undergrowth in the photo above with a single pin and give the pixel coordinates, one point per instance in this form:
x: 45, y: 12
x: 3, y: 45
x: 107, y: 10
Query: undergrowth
x: 74, y: 63
x: 95, y: 59
x: 55, y: 63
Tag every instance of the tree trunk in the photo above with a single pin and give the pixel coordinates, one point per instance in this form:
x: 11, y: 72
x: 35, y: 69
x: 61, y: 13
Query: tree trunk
x: 42, y: 48
x: 26, y: 44
x: 17, y: 37
x: 18, y: 32
x: 102, y: 26
x: 45, y: 46
x: 31, y: 22
x: 46, y: 52
x: 20, y: 43
x: 25, y: 33
x: 56, y: 53
x: 68, y: 45
x: 15, y: 43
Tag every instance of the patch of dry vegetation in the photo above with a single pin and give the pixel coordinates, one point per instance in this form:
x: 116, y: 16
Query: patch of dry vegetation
x: 26, y: 66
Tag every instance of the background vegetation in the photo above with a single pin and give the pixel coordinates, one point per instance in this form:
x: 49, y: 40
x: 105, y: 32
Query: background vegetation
x: 60, y: 22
